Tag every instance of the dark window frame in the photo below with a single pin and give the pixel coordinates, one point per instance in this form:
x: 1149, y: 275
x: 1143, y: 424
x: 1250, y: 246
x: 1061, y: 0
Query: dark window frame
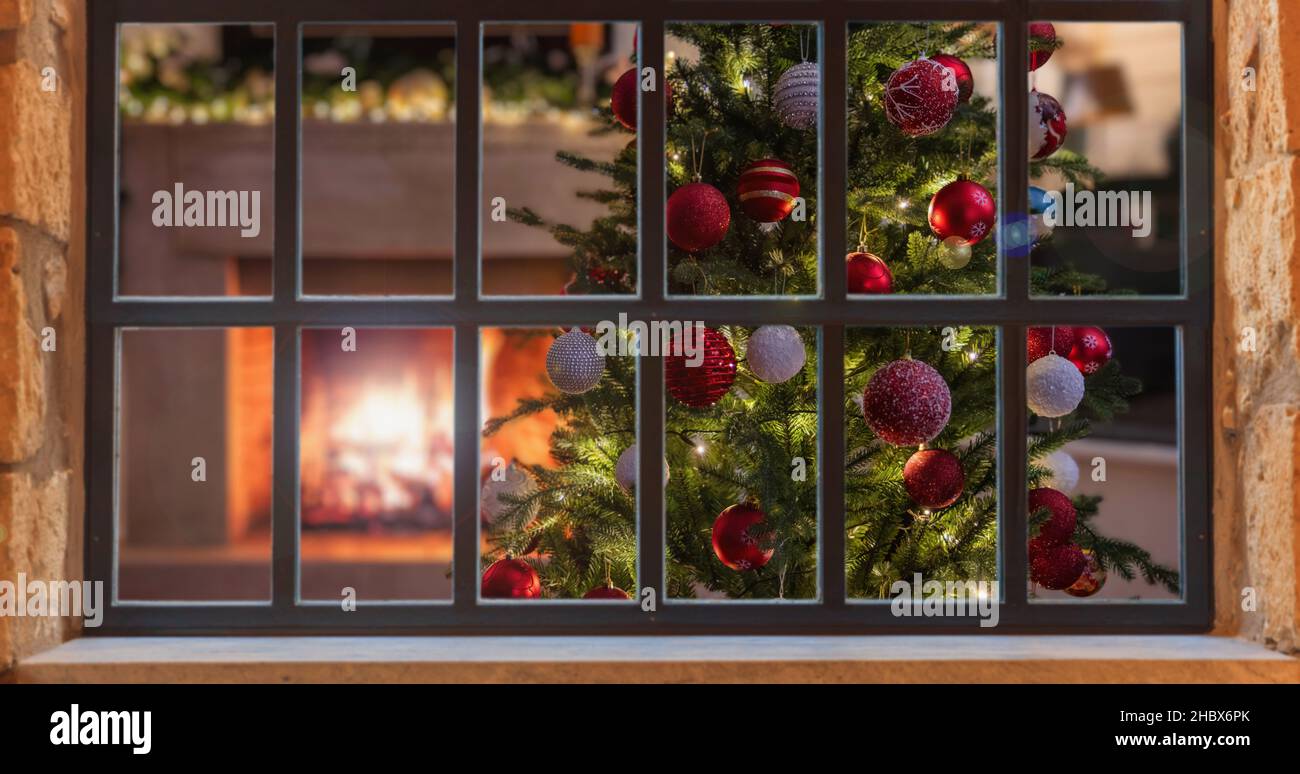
x: 1012, y: 311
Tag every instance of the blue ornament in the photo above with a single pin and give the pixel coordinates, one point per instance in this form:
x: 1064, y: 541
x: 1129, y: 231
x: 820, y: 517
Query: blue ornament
x: 1038, y: 201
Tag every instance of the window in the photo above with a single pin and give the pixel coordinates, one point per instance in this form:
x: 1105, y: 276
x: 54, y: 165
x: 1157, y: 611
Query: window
x: 292, y: 413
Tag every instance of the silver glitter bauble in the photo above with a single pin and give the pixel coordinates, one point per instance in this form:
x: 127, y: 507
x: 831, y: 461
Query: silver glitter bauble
x: 512, y: 481
x: 574, y: 362
x: 625, y: 469
x: 1053, y: 386
x: 776, y: 353
x: 797, y: 95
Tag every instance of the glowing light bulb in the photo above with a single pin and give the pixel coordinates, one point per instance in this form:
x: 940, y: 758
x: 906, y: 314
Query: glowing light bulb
x: 903, y: 204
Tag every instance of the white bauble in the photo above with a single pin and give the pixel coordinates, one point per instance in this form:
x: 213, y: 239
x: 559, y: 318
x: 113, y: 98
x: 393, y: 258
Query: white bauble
x: 1053, y: 386
x: 1065, y: 471
x: 513, y: 481
x: 574, y: 362
x: 797, y: 95
x: 776, y: 353
x: 625, y: 468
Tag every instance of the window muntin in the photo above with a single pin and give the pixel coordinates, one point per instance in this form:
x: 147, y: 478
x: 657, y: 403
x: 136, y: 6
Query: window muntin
x: 1191, y: 311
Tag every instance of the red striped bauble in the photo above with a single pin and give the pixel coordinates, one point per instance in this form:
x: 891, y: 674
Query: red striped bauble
x: 700, y: 382
x: 767, y: 190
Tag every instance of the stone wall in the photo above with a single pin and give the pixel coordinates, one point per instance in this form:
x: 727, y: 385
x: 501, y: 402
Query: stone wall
x: 42, y: 324
x: 1257, y: 311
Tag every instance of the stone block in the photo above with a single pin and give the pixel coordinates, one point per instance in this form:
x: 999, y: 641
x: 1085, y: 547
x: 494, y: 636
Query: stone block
x: 22, y: 368
x: 34, y: 522
x: 36, y: 150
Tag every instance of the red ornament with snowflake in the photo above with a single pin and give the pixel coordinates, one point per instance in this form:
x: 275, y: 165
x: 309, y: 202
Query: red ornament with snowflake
x: 920, y: 97
x: 868, y: 273
x: 511, y: 578
x: 738, y: 540
x: 767, y: 190
x: 1047, y: 127
x: 1044, y: 35
x: 700, y: 383
x: 1091, y: 349
x: 934, y: 478
x: 961, y: 75
x: 1041, y: 341
x: 907, y: 402
x: 963, y: 209
x: 698, y: 217
x: 1091, y: 579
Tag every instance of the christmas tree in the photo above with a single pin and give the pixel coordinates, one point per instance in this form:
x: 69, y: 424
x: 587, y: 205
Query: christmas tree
x: 742, y: 455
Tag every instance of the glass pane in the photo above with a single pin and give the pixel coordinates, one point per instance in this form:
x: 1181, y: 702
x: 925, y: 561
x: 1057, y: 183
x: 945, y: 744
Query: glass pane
x: 921, y: 474
x: 376, y: 451
x: 1103, y: 463
x: 558, y: 465
x: 922, y: 159
x: 741, y: 440
x: 378, y: 148
x: 743, y: 138
x: 1105, y: 139
x: 559, y: 208
x: 197, y: 102
x: 194, y: 464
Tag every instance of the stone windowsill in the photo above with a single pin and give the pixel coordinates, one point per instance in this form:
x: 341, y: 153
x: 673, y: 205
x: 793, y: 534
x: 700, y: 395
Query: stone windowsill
x: 998, y: 658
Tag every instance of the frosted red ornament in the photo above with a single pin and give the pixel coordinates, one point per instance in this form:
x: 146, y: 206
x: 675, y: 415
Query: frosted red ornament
x: 703, y: 384
x: 608, y: 591
x: 907, y: 402
x: 623, y: 100
x: 963, y: 209
x: 1043, y: 34
x: 934, y: 478
x: 738, y: 540
x: 868, y: 273
x: 698, y: 217
x: 1091, y: 579
x: 767, y: 190
x: 920, y: 97
x: 1047, y: 128
x: 511, y: 578
x: 1059, y: 527
x: 1041, y: 341
x: 1091, y: 349
x: 1057, y: 567
x: 961, y: 74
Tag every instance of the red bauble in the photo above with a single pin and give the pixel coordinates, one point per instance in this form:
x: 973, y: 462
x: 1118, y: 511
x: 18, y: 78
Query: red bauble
x: 1057, y: 567
x: 511, y: 579
x: 698, y: 216
x: 623, y: 100
x: 606, y: 592
x: 934, y: 478
x: 733, y: 541
x: 1046, y: 125
x: 1044, y: 34
x: 920, y: 97
x: 1041, y: 341
x: 964, y: 209
x: 1059, y: 528
x: 1091, y: 579
x: 960, y: 72
x: 868, y: 274
x: 700, y: 384
x: 907, y: 403
x: 767, y: 190
x: 1091, y: 350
